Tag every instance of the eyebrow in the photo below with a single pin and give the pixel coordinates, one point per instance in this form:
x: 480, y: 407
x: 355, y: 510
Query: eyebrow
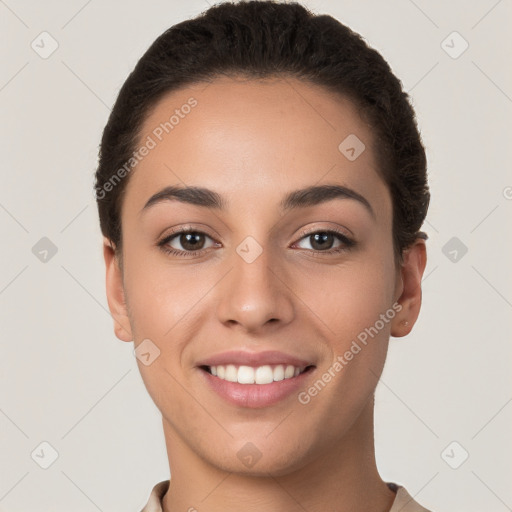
x: 301, y: 198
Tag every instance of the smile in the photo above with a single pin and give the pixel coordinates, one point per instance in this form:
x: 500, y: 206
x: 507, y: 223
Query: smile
x: 255, y: 387
x: 265, y: 374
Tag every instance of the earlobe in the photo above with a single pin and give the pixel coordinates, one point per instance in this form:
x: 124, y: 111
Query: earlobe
x: 115, y: 293
x: 411, y: 273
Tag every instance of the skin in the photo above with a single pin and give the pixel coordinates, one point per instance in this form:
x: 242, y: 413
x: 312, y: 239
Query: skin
x: 253, y: 141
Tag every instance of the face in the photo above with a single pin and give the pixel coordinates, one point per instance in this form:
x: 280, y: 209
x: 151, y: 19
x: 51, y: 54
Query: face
x: 263, y: 276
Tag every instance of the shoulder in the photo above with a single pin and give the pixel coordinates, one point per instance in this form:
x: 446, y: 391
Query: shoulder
x: 154, y: 503
x: 404, y: 502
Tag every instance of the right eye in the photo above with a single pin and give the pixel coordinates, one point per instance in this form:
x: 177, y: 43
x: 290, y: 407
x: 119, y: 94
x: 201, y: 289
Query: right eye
x: 185, y: 242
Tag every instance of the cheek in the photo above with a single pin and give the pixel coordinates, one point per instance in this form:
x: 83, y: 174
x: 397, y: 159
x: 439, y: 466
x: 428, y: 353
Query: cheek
x: 350, y: 297
x: 170, y: 306
x: 160, y: 296
x: 354, y: 311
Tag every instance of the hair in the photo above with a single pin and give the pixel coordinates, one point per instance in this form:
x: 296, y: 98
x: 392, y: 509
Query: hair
x: 264, y: 39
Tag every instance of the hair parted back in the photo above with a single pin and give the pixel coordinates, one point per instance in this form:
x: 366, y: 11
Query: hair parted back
x: 263, y: 39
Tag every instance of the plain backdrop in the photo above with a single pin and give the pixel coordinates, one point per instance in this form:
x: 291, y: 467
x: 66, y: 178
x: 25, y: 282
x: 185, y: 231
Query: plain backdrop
x: 443, y: 405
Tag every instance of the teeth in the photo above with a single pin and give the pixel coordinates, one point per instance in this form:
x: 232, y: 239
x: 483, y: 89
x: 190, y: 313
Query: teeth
x: 260, y: 375
x: 231, y: 373
x: 289, y: 372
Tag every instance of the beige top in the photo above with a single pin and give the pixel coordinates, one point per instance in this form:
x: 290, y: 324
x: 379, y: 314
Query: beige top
x: 403, y: 501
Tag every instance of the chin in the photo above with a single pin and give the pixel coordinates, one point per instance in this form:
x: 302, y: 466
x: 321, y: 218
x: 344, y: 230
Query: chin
x: 260, y: 457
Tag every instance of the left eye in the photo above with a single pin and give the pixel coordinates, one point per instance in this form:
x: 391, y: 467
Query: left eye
x: 324, y: 240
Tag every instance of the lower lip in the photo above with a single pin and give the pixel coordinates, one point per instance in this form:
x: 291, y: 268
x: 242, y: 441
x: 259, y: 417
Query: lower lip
x: 256, y: 395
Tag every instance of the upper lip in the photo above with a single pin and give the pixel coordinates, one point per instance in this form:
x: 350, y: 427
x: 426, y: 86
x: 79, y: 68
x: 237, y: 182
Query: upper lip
x: 240, y: 357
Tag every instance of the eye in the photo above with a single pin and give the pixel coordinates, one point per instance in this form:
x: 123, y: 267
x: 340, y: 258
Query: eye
x: 324, y: 240
x: 185, y: 242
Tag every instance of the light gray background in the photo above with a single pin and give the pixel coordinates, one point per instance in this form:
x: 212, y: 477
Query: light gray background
x: 67, y: 380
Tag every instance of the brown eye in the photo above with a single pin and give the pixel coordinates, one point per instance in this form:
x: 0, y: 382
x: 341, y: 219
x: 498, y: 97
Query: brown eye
x: 326, y: 241
x: 322, y: 240
x: 191, y: 241
x: 186, y: 242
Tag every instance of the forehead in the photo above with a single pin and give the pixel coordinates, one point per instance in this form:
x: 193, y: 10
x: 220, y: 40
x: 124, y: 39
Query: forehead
x: 255, y: 138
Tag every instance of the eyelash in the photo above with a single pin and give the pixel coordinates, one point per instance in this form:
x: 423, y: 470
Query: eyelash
x: 348, y: 242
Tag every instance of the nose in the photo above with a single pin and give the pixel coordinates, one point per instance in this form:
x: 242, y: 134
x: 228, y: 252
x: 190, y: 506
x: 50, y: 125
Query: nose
x: 255, y: 295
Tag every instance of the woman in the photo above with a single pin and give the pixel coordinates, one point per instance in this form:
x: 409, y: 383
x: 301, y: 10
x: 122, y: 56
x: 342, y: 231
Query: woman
x: 261, y: 189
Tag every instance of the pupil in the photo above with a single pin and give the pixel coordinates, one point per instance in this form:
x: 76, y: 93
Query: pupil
x: 191, y: 241
x: 320, y: 239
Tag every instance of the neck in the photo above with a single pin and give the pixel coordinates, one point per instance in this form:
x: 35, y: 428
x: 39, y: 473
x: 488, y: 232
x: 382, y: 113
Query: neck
x: 344, y: 478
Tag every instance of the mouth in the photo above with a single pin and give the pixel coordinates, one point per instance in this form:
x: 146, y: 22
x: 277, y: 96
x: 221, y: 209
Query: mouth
x: 255, y: 379
x: 261, y: 375
x: 255, y: 387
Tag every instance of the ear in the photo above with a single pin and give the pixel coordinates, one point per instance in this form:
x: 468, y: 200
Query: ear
x: 409, y: 288
x: 115, y: 293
